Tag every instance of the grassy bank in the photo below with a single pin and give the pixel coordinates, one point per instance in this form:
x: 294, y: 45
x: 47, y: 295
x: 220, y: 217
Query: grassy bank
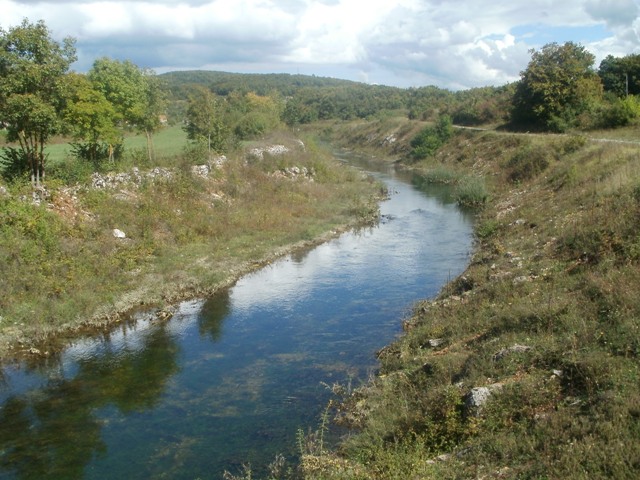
x: 186, y: 232
x: 527, y: 365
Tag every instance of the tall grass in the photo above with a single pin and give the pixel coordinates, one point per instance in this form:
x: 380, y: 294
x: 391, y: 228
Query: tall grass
x: 471, y: 191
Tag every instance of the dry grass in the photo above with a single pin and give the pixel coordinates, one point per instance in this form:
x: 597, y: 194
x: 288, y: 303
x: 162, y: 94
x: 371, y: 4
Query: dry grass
x: 549, y: 309
x: 63, y: 269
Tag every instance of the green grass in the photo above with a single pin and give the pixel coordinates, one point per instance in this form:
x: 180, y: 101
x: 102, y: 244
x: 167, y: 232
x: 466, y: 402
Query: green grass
x: 168, y: 142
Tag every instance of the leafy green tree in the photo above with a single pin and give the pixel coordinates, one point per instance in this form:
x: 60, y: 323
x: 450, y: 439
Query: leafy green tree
x: 204, y: 120
x: 621, y: 76
x: 122, y: 84
x: 136, y: 95
x: 558, y: 84
x: 90, y: 117
x: 32, y: 69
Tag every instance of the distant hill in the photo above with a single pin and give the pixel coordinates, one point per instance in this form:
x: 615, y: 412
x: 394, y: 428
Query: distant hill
x: 224, y: 83
x: 309, y: 98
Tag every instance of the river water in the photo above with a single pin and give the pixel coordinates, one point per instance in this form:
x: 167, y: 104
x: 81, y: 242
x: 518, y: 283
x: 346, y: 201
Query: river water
x: 231, y: 379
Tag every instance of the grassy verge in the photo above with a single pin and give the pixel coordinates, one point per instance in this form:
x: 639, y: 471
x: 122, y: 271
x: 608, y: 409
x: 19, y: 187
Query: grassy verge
x: 527, y: 365
x: 186, y: 234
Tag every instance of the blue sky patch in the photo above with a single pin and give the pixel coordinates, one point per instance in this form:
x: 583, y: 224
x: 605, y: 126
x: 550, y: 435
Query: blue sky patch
x: 539, y: 34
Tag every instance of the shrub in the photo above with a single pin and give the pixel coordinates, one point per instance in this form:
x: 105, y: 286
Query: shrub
x: 527, y: 162
x: 97, y: 152
x: 71, y: 171
x: 569, y: 145
x: 621, y: 112
x: 13, y: 163
x: 431, y: 138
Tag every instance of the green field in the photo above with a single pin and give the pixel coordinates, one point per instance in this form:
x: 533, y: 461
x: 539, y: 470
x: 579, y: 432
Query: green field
x: 168, y: 142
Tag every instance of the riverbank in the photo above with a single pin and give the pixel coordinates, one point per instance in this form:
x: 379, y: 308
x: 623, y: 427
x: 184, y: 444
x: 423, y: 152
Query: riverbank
x: 91, y: 253
x: 526, y: 366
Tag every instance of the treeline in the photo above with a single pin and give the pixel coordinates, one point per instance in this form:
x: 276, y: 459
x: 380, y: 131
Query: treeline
x: 39, y: 97
x: 560, y: 89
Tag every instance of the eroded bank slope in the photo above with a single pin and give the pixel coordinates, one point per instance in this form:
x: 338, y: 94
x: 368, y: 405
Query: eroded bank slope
x: 527, y: 365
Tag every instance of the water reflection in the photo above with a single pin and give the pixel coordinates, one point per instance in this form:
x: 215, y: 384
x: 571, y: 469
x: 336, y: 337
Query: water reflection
x: 231, y: 379
x: 212, y: 314
x: 53, y: 432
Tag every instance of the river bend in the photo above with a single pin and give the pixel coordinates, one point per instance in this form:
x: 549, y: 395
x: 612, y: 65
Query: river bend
x: 231, y: 379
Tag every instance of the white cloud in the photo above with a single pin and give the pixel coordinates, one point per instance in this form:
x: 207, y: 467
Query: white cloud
x: 614, y: 13
x: 406, y: 42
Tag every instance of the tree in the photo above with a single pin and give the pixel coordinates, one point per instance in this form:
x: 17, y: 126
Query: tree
x: 621, y: 76
x: 156, y: 103
x: 558, y: 85
x: 204, y: 123
x: 32, y: 69
x: 135, y: 94
x: 89, y: 116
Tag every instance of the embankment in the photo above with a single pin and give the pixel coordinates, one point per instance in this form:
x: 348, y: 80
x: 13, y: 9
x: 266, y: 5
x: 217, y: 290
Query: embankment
x: 90, y: 253
x: 526, y: 366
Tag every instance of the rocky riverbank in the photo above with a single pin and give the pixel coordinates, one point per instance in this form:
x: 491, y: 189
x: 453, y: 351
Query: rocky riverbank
x: 527, y: 365
x: 84, y: 258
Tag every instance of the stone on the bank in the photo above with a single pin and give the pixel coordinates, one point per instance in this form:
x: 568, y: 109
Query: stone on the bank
x: 478, y: 397
x: 117, y: 233
x: 514, y: 349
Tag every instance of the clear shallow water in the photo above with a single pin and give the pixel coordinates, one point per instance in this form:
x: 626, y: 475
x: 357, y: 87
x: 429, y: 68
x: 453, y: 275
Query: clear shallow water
x: 230, y: 379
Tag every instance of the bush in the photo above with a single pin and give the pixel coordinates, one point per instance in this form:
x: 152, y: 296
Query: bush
x: 71, y: 171
x: 430, y: 139
x: 97, y: 152
x: 13, y: 163
x: 621, y: 112
x: 252, y: 125
x: 527, y: 162
x: 571, y: 144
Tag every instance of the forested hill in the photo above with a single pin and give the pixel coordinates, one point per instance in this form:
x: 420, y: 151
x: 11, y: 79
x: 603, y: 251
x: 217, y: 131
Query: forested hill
x: 308, y: 98
x: 223, y: 83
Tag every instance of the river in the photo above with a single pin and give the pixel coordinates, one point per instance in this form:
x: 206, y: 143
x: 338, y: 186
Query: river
x: 232, y: 379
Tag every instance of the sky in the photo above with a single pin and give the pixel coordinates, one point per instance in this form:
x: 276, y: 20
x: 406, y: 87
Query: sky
x: 456, y: 45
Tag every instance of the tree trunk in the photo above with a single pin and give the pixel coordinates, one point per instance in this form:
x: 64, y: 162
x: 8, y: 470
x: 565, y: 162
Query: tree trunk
x: 150, y: 150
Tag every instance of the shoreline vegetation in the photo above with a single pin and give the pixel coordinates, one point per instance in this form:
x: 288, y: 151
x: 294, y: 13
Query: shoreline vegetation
x: 526, y: 365
x: 185, y: 231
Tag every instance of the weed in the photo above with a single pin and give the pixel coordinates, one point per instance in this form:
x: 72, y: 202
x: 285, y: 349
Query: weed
x: 471, y: 191
x: 486, y: 228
